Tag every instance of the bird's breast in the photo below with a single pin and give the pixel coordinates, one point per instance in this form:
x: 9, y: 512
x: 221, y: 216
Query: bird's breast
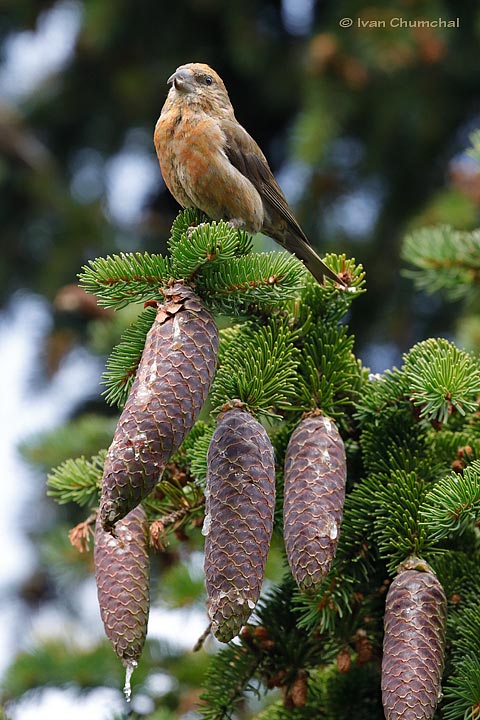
x: 191, y: 150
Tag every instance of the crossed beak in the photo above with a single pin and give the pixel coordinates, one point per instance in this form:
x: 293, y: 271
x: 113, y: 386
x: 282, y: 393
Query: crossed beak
x: 181, y: 80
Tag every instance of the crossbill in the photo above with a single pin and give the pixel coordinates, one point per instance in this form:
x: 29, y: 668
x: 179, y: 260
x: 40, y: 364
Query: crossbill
x: 209, y: 161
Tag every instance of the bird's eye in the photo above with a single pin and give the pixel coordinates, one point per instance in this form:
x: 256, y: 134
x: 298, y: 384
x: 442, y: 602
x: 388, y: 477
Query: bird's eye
x: 208, y: 79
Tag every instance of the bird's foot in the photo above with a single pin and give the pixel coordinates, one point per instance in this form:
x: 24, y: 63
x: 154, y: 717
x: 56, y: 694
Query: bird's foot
x: 236, y: 223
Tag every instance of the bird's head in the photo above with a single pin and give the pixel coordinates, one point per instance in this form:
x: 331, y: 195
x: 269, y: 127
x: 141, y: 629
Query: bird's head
x: 197, y: 83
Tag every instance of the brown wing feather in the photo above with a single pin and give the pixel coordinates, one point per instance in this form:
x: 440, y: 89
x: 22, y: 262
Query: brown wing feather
x: 279, y: 222
x: 244, y: 154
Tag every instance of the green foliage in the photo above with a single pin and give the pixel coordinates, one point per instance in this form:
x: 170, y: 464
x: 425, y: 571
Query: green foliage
x: 179, y: 500
x: 175, y: 502
x: 124, y: 359
x: 327, y: 302
x: 449, y: 445
x: 197, y: 454
x: 59, y: 663
x: 330, y: 604
x: 442, y: 379
x: 299, y: 355
x: 77, y: 480
x: 255, y: 283
x: 118, y: 280
x: 204, y: 243
x: 259, y: 369
x: 229, y: 676
x: 445, y: 260
x: 459, y: 573
x: 454, y: 503
x: 281, y: 647
x: 332, y: 694
x: 329, y: 367
x: 355, y: 545
x: 215, y: 256
x: 354, y: 694
x: 395, y: 442
x: 462, y: 691
x: 82, y: 436
x: 382, y: 395
x: 397, y: 530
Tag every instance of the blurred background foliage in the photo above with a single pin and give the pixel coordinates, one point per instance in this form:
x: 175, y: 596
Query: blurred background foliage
x: 365, y: 128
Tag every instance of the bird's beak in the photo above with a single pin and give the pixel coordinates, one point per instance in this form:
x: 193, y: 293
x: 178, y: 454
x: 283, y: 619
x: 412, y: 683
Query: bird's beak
x: 181, y: 80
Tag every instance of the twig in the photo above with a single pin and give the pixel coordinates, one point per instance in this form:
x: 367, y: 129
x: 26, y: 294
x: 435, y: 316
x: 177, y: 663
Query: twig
x: 79, y: 536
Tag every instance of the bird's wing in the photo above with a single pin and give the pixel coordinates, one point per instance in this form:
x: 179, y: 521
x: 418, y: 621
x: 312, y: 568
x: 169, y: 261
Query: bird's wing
x: 246, y: 156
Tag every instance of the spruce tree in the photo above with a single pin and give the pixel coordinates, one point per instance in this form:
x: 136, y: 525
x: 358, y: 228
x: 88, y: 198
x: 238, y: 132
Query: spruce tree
x: 412, y: 443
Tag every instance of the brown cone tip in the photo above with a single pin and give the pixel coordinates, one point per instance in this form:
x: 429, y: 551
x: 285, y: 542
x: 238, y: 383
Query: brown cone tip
x: 169, y: 390
x: 122, y: 573
x: 240, y: 502
x: 315, y: 476
x: 414, y: 644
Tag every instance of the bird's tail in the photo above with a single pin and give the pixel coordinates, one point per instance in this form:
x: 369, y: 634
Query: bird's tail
x: 314, y: 263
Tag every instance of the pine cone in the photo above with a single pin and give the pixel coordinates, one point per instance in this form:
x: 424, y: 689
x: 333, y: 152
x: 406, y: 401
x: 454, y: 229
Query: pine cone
x: 414, y: 643
x: 240, y: 502
x: 122, y: 573
x: 315, y: 475
x: 170, y: 387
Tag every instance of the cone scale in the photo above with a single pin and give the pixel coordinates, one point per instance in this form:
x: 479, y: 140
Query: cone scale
x: 169, y: 390
x: 240, y: 502
x: 315, y: 475
x: 414, y: 643
x: 122, y: 574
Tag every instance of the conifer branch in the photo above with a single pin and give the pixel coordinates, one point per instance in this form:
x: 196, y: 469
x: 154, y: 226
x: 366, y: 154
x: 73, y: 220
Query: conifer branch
x: 173, y: 520
x: 329, y: 368
x: 453, y: 503
x: 442, y: 379
x: 382, y: 395
x: 228, y: 678
x: 196, y: 455
x: 77, y: 480
x: 326, y: 608
x: 206, y: 244
x: 445, y: 259
x: 124, y: 359
x: 118, y: 280
x: 259, y: 369
x: 397, y: 530
x: 326, y: 302
x: 258, y: 282
x: 394, y: 441
x: 462, y: 691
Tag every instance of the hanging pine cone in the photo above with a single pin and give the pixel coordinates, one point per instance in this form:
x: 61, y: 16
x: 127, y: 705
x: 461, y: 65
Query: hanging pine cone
x: 315, y: 475
x: 122, y: 573
x: 170, y: 387
x: 240, y: 502
x: 414, y: 643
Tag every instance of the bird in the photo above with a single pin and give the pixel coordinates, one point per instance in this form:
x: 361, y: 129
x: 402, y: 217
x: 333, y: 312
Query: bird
x: 210, y: 162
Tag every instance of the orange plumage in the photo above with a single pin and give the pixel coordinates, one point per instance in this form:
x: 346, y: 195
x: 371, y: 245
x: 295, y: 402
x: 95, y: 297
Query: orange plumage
x: 209, y: 161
